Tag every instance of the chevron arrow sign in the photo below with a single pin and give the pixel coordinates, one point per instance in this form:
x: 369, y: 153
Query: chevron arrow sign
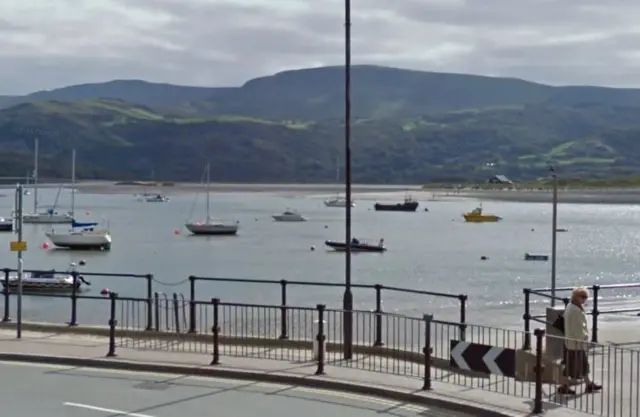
x: 482, y: 358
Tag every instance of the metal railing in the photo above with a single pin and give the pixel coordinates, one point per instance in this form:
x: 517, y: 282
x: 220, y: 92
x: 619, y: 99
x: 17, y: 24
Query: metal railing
x: 594, y: 312
x: 394, y: 344
x: 283, y: 286
x: 192, y: 324
x: 412, y: 347
x: 74, y: 295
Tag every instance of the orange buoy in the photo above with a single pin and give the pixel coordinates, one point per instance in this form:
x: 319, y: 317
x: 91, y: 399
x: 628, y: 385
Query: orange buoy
x: 44, y: 245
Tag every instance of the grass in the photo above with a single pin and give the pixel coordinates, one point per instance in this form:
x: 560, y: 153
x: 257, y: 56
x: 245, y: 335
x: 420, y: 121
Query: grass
x: 560, y: 150
x: 291, y: 124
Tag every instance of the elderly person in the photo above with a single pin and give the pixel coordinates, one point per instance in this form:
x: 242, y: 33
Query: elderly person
x: 576, y: 333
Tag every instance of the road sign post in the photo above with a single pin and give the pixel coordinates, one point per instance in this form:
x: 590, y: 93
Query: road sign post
x: 19, y: 246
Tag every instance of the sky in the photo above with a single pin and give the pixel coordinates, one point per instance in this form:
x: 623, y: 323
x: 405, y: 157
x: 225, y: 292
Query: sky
x: 46, y: 44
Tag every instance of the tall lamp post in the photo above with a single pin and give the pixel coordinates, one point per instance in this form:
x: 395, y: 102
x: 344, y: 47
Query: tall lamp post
x: 347, y: 300
x: 554, y: 231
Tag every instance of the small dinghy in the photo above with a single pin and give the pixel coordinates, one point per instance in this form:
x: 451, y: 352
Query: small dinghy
x: 46, y: 281
x: 531, y: 257
x: 6, y: 225
x: 356, y: 246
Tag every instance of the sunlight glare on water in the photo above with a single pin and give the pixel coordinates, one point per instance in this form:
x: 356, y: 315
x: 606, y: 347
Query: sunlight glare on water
x: 435, y: 251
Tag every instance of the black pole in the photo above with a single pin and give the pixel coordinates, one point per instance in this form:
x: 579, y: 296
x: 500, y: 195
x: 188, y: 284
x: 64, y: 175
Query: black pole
x: 347, y: 301
x: 554, y: 232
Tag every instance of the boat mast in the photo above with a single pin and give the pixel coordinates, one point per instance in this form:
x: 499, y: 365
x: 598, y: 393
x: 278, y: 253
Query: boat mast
x: 73, y: 183
x: 208, y: 190
x: 35, y: 177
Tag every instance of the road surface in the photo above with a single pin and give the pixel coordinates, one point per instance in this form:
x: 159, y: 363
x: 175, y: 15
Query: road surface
x: 35, y: 390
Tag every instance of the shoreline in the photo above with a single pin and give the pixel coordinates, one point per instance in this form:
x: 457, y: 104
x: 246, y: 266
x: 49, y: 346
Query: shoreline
x: 368, y: 192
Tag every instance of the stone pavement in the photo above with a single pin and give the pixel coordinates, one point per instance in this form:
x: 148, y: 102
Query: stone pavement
x: 471, y: 392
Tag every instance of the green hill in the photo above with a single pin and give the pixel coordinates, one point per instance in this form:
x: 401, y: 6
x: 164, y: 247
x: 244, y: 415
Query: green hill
x: 120, y: 140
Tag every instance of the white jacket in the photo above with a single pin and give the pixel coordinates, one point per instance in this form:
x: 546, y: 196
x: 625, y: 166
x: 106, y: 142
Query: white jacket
x: 576, y: 329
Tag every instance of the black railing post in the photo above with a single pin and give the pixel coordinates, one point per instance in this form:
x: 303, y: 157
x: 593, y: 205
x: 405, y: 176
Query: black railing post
x: 378, y: 341
x: 594, y: 314
x: 149, y: 278
x: 7, y: 295
x: 192, y: 304
x: 112, y: 325
x: 283, y: 310
x: 215, y: 330
x: 428, y: 320
x: 527, y: 319
x: 537, y: 402
x: 463, y: 316
x: 176, y: 313
x: 156, y: 298
x: 320, y: 338
x: 74, y: 300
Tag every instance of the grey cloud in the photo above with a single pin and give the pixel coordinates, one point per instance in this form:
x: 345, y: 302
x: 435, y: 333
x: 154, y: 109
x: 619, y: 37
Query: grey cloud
x: 212, y: 42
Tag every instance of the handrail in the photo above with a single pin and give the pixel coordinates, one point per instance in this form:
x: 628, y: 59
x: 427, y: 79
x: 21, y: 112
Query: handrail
x: 595, y: 311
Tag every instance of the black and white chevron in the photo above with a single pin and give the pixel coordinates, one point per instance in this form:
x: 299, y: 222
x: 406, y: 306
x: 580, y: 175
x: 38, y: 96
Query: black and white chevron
x: 482, y: 358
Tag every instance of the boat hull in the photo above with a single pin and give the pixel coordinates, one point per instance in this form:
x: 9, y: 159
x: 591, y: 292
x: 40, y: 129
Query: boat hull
x: 51, y: 284
x: 531, y: 257
x: 485, y: 218
x: 338, y: 203
x: 35, y: 287
x: 283, y: 218
x: 212, y: 229
x: 355, y: 247
x: 6, y: 226
x: 408, y: 206
x: 95, y: 240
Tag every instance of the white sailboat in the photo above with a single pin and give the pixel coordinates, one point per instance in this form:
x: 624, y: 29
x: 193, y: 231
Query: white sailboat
x: 339, y: 201
x: 81, y: 236
x: 44, y: 217
x: 211, y: 226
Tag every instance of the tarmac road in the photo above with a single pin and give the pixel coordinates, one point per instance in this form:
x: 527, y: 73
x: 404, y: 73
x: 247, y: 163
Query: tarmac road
x: 36, y: 390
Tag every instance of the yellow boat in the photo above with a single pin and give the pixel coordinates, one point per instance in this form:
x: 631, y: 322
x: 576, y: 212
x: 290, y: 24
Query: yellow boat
x: 477, y: 216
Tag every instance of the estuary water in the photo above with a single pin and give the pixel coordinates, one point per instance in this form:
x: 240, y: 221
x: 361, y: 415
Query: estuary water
x: 434, y: 250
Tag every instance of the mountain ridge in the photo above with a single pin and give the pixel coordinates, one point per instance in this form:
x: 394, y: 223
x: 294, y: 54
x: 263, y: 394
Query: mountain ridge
x: 318, y: 93
x: 408, y: 126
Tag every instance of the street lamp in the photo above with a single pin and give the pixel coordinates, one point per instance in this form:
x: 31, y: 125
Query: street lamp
x: 554, y: 231
x: 347, y: 300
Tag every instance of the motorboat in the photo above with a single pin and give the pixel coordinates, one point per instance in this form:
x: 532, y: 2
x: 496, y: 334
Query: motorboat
x: 409, y: 204
x: 157, y: 198
x: 46, y: 281
x: 356, y: 246
x: 6, y: 225
x: 478, y: 216
x: 82, y: 236
x: 211, y: 227
x: 289, y: 216
x: 47, y: 217
x: 338, y: 202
